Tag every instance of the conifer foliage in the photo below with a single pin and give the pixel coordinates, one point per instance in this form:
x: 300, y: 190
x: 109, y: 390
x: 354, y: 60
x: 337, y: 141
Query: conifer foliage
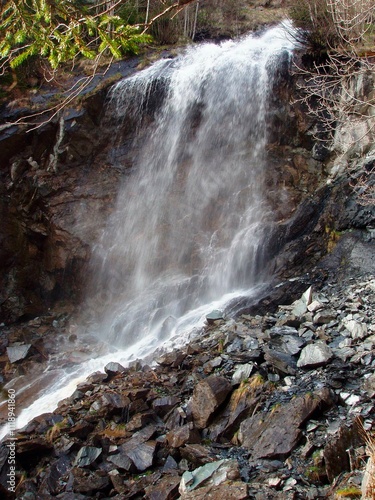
x: 61, y: 30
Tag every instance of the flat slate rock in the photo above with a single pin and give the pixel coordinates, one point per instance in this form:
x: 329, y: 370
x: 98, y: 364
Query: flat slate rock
x: 315, y: 355
x: 17, y: 352
x: 208, y: 395
x: 268, y: 436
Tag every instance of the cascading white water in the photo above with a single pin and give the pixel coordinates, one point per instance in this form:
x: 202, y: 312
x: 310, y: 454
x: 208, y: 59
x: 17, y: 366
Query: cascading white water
x: 189, y: 223
x: 186, y: 235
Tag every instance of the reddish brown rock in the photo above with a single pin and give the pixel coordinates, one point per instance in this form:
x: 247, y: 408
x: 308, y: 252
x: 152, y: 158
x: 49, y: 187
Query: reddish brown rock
x: 268, y: 436
x: 182, y: 435
x: 336, y: 456
x: 208, y: 395
x: 242, y: 403
x: 88, y: 482
x: 165, y: 489
x: 196, y: 454
x: 232, y: 490
x: 164, y: 405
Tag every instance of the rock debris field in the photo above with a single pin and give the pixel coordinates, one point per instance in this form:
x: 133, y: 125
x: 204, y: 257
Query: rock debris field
x: 278, y: 406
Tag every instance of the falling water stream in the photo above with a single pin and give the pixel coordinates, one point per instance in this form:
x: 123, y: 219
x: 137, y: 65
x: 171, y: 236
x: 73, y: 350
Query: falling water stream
x: 187, y: 232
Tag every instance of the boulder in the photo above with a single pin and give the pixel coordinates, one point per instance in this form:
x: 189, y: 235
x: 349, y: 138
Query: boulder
x: 324, y: 317
x: 356, y: 329
x: 52, y: 481
x: 81, y: 430
x: 242, y: 404
x: 280, y: 361
x: 314, y: 355
x: 336, y: 456
x: 288, y: 344
x: 231, y: 490
x: 142, y: 455
x: 17, y: 351
x: 196, y: 454
x: 120, y: 459
x: 110, y: 402
x: 267, y: 436
x: 164, y: 405
x: 89, y: 483
x: 138, y: 451
x: 170, y: 465
x: 213, y: 316
x: 281, y: 331
x: 174, y: 359
x: 241, y: 373
x: 87, y: 455
x: 208, y: 395
x: 165, y: 489
x: 211, y: 474
x: 182, y: 435
x: 112, y: 369
x: 315, y: 306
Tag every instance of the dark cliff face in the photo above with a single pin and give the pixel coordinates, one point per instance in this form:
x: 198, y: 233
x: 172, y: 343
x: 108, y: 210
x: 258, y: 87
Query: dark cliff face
x: 59, y: 184
x: 52, y: 210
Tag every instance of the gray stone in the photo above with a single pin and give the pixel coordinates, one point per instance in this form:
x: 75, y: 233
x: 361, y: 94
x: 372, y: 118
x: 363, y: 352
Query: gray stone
x: 164, y: 405
x: 289, y: 344
x: 251, y: 344
x: 235, y: 346
x: 242, y: 372
x: 170, y: 465
x: 52, y: 479
x: 281, y: 361
x: 356, y: 329
x: 120, y: 460
x: 315, y: 306
x: 299, y: 308
x: 212, y: 364
x: 314, y: 355
x: 113, y: 369
x: 344, y: 353
x: 214, y: 316
x: 142, y: 455
x: 369, y: 385
x: 213, y: 472
x: 16, y: 352
x: 281, y: 331
x: 87, y: 455
x: 324, y: 317
x: 307, y: 296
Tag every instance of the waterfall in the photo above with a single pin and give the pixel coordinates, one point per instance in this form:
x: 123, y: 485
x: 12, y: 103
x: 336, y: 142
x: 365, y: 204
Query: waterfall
x: 187, y: 233
x: 188, y: 228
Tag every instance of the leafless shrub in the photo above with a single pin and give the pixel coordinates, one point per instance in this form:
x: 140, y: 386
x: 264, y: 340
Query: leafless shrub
x: 338, y: 89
